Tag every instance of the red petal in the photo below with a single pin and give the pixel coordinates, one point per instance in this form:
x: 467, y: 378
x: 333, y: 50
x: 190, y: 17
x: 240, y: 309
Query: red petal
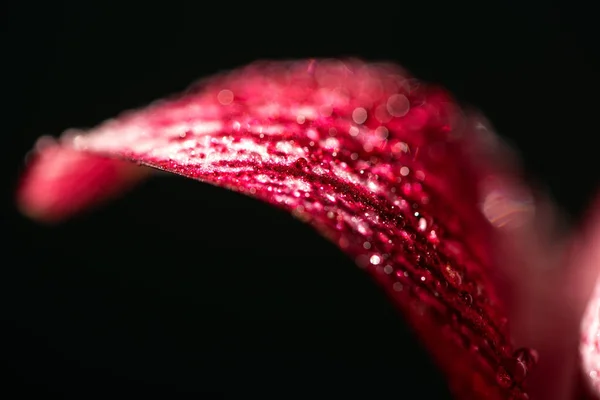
x: 379, y: 163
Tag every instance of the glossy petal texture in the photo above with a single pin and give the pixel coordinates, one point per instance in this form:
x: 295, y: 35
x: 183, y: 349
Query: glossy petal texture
x: 386, y: 167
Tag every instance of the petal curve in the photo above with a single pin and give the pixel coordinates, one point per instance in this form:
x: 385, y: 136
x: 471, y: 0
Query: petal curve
x: 378, y: 162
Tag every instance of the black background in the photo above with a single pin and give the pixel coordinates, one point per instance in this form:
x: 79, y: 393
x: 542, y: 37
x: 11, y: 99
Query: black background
x: 183, y: 289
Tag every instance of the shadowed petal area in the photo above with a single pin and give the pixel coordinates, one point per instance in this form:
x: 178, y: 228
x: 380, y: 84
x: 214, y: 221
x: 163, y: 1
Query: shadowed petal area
x: 384, y: 166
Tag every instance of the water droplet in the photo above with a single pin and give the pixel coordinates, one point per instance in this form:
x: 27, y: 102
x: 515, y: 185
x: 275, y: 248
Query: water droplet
x: 359, y: 115
x: 453, y: 276
x: 517, y: 367
x: 398, y: 105
x: 441, y: 285
x: 503, y: 378
x: 381, y: 132
x: 400, y: 147
x: 519, y: 371
x: 375, y: 259
x: 466, y: 298
x: 254, y: 157
x: 301, y: 163
x: 225, y: 97
x: 529, y: 357
x: 433, y: 237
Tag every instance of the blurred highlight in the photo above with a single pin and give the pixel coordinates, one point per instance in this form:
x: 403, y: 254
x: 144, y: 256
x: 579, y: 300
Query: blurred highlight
x: 61, y: 182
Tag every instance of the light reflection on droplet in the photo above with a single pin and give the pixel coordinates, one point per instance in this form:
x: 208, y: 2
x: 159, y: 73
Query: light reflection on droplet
x: 400, y: 147
x: 225, y: 97
x: 375, y: 259
x: 331, y: 143
x: 359, y: 115
x: 398, y: 105
x: 382, y: 132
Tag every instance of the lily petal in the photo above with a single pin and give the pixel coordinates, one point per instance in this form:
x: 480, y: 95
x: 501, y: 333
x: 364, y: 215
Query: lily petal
x: 386, y: 167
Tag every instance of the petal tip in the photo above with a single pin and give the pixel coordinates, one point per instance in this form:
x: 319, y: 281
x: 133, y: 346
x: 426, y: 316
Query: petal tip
x: 60, y: 182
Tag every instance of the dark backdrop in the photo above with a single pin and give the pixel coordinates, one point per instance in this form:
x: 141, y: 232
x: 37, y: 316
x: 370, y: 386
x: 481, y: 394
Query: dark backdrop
x: 184, y: 289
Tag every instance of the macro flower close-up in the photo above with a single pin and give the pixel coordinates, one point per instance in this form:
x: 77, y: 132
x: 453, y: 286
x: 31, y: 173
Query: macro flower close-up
x: 390, y: 172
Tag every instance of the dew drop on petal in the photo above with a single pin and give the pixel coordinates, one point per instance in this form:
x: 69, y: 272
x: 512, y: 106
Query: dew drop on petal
x: 398, y: 105
x: 225, y: 97
x: 503, y: 378
x: 359, y: 115
x: 466, y: 298
x: 301, y: 163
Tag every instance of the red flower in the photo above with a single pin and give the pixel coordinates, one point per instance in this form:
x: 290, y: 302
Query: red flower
x: 422, y: 194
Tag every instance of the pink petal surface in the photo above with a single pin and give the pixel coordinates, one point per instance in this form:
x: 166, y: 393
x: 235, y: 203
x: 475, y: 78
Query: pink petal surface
x: 66, y: 181
x: 388, y: 168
